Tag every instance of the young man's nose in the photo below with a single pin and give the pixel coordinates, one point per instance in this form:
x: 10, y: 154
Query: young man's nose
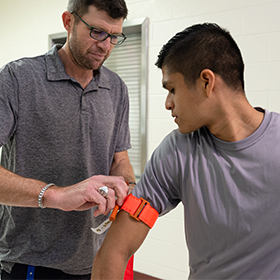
x: 168, y: 103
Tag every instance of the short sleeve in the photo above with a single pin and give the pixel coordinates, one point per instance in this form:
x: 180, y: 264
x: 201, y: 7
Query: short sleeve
x: 8, y: 104
x: 159, y: 184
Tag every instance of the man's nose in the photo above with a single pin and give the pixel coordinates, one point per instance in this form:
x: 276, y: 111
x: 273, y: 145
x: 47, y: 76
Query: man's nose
x: 106, y: 44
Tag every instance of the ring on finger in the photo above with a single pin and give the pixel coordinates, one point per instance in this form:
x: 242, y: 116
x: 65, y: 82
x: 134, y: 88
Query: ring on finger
x: 103, y: 191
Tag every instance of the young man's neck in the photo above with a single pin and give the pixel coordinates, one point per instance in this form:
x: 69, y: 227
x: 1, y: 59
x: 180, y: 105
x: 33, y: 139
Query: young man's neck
x: 237, y: 121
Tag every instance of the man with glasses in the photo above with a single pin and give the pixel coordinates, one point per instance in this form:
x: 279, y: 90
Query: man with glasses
x: 101, y: 35
x: 64, y: 128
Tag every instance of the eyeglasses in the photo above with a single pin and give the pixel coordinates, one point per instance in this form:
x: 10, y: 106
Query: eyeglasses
x: 100, y: 35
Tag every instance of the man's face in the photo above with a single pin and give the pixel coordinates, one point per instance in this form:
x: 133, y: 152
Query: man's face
x: 185, y: 102
x: 87, y: 52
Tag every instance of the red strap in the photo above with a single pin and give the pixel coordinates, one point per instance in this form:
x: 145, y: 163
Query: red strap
x: 140, y: 209
x: 128, y: 274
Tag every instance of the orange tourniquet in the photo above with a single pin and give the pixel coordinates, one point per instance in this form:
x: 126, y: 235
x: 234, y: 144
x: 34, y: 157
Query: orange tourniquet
x: 139, y: 209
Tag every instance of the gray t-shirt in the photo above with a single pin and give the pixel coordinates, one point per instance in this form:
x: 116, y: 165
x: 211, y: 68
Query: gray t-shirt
x: 55, y: 131
x: 231, y: 197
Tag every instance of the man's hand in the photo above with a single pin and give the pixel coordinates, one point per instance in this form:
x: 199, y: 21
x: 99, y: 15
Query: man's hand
x: 85, y: 195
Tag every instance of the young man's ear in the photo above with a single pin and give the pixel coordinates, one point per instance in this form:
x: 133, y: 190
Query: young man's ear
x: 208, y: 80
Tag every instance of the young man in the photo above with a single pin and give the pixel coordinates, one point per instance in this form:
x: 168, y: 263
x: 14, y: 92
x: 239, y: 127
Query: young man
x: 222, y: 164
x: 64, y: 120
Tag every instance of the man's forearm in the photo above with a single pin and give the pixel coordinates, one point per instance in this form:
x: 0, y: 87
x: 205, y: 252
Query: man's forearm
x: 24, y: 192
x: 124, y: 169
x: 121, y: 166
x: 18, y: 191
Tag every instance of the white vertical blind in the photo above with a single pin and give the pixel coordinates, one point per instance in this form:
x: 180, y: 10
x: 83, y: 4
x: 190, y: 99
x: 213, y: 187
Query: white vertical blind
x: 125, y: 60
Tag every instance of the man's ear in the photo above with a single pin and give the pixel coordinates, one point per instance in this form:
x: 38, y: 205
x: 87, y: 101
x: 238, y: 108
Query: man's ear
x: 67, y: 20
x: 208, y: 81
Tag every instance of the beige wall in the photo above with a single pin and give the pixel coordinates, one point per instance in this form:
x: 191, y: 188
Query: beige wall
x: 255, y: 24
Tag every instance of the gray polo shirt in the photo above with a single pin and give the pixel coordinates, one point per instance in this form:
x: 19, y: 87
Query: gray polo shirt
x: 55, y: 131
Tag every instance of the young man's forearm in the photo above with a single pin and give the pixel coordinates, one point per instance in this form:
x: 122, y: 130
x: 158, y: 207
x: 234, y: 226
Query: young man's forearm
x: 122, y: 240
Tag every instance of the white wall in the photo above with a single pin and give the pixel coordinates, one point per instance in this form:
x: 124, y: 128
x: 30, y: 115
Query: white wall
x: 255, y: 24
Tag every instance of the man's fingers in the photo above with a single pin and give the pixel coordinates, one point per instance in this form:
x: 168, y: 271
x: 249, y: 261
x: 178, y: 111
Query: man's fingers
x: 116, y: 183
x: 121, y: 189
x: 106, y: 203
x: 111, y: 200
x: 121, y: 193
x: 87, y: 194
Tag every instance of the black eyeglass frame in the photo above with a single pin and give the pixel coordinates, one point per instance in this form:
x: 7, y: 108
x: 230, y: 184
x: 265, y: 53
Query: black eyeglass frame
x: 122, y: 36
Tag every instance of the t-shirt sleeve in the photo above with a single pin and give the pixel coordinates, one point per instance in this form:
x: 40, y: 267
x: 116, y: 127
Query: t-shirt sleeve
x: 8, y: 104
x: 159, y: 184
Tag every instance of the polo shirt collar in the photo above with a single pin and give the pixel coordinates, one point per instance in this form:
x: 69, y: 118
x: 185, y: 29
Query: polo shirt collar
x: 56, y: 71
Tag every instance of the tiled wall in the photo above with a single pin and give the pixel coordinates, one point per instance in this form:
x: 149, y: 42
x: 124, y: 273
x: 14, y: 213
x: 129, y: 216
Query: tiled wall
x: 255, y: 24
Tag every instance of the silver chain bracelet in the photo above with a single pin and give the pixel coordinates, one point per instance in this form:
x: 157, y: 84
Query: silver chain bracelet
x: 40, y: 197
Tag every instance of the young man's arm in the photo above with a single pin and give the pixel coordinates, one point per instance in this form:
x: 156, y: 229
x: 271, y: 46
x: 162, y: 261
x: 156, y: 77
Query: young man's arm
x: 123, y: 239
